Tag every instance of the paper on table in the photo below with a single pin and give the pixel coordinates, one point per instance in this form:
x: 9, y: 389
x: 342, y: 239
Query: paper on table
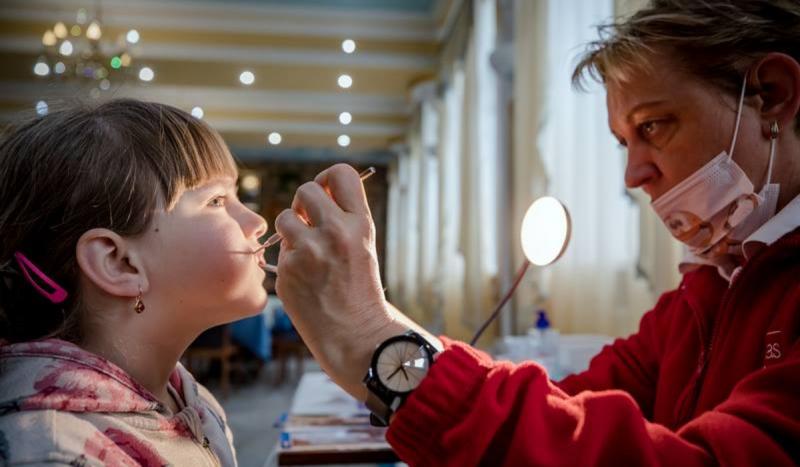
x: 317, y: 395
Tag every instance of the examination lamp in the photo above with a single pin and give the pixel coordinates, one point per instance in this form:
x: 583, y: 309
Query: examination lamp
x: 545, y: 234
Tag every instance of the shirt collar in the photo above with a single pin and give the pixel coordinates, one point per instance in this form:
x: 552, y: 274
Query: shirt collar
x: 785, y: 221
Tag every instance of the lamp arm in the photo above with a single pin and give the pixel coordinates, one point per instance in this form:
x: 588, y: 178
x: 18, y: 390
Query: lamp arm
x: 520, y: 275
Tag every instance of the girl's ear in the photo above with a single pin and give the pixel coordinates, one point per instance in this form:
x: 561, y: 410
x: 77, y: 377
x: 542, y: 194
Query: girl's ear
x: 108, y: 261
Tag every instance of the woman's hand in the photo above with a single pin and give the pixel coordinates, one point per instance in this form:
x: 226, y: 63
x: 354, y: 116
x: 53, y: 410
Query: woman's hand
x: 328, y: 276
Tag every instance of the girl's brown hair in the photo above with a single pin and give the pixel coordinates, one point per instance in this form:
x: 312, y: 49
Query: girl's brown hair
x: 106, y: 166
x: 715, y: 40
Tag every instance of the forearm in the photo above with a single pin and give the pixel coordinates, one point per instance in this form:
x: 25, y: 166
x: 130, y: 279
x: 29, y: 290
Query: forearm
x: 347, y: 360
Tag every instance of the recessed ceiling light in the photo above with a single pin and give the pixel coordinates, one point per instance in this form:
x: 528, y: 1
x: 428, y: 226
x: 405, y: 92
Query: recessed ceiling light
x: 132, y: 36
x: 146, y: 74
x: 66, y: 48
x: 41, y: 108
x: 197, y: 112
x: 343, y: 141
x: 247, y: 78
x: 41, y: 69
x: 345, y: 118
x: 345, y: 81
x: 348, y: 46
x: 274, y: 138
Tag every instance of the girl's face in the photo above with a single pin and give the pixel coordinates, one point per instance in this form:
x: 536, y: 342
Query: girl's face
x: 199, y: 259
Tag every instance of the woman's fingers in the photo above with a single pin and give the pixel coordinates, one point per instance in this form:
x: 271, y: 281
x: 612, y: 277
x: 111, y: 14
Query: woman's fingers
x: 345, y: 186
x: 290, y: 226
x: 313, y: 203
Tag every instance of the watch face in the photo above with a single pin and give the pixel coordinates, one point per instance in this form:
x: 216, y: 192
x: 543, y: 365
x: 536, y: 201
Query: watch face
x: 401, y: 365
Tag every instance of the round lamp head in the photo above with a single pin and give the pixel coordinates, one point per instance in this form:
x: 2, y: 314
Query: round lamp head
x: 545, y: 231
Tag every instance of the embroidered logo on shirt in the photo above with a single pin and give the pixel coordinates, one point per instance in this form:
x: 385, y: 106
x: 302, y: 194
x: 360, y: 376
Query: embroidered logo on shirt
x: 774, y: 347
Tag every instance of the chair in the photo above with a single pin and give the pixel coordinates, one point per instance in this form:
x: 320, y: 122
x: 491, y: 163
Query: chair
x: 213, y: 344
x: 286, y: 344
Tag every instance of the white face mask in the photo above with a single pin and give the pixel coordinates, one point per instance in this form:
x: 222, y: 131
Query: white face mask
x: 716, y: 207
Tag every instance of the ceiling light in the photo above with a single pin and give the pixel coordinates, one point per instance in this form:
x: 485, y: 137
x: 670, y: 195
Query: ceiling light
x: 343, y: 141
x: 41, y: 69
x: 345, y: 81
x: 132, y: 36
x: 197, y: 112
x: 60, y: 30
x: 65, y: 49
x: 49, y: 38
x: 274, y: 138
x: 41, y: 108
x: 93, y: 32
x: 345, y: 118
x: 247, y: 78
x: 349, y: 46
x: 146, y: 74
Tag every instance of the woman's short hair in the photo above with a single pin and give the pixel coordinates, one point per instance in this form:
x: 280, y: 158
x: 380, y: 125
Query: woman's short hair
x: 715, y: 40
x: 109, y: 166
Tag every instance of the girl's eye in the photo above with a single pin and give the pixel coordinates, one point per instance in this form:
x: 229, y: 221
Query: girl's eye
x: 217, y: 202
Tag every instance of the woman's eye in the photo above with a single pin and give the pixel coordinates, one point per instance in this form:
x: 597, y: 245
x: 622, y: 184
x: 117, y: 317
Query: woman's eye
x: 648, y: 128
x: 217, y: 202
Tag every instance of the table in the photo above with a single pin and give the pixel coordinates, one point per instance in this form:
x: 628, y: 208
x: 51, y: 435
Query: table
x: 325, y: 425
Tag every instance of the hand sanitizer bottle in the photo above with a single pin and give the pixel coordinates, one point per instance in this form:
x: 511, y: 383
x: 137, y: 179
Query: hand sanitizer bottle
x: 544, y: 344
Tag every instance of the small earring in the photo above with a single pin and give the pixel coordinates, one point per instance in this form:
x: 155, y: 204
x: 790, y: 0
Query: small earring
x: 774, y: 129
x: 138, y: 307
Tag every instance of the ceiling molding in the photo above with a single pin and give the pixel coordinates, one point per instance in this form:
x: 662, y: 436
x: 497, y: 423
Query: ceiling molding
x: 244, y: 18
x: 379, y: 157
x: 450, y: 11
x: 220, y: 98
x: 194, y: 52
x: 314, y: 128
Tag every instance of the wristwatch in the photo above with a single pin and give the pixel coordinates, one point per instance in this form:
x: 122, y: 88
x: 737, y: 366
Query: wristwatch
x: 398, y: 366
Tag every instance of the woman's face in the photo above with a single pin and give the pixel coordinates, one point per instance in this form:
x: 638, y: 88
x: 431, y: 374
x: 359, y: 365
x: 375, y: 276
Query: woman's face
x: 199, y: 256
x: 672, y: 124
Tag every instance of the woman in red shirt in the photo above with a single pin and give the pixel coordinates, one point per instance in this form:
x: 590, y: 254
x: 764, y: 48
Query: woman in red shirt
x: 705, y: 97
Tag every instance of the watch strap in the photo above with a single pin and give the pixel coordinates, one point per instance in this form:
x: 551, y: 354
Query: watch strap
x: 379, y: 412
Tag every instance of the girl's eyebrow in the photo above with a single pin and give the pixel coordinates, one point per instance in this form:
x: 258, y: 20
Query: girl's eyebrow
x: 215, y: 183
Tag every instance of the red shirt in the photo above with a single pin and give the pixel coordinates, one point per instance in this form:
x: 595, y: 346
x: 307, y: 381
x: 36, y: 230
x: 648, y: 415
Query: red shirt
x: 711, y: 377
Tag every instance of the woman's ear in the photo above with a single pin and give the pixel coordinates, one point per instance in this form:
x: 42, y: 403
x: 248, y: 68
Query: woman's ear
x: 106, y: 259
x: 777, y: 78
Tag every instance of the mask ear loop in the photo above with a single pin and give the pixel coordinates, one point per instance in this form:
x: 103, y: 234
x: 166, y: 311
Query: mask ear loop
x: 738, y: 117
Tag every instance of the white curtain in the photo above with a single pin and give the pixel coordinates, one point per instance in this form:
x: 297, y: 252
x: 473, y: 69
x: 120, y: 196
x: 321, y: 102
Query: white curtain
x: 527, y: 173
x: 587, y: 289
x: 450, y: 264
x: 428, y: 204
x: 479, y: 237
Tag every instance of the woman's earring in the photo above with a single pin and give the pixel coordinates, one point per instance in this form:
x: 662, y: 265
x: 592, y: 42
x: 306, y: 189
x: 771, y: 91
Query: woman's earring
x: 774, y: 129
x: 138, y: 307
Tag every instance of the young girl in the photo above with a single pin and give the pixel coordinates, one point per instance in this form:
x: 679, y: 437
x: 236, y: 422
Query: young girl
x: 122, y: 240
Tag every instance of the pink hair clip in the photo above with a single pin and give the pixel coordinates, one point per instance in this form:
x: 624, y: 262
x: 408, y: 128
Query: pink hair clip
x: 56, y: 295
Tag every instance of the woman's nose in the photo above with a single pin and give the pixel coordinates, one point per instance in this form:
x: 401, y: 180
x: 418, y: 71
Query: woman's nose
x: 639, y: 169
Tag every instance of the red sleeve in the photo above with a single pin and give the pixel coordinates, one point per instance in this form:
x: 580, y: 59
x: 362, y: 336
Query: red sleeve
x: 630, y: 364
x: 470, y: 410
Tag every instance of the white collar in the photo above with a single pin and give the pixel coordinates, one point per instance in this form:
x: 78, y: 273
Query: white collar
x: 785, y: 221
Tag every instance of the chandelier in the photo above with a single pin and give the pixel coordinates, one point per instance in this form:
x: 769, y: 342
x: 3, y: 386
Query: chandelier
x: 79, y: 52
